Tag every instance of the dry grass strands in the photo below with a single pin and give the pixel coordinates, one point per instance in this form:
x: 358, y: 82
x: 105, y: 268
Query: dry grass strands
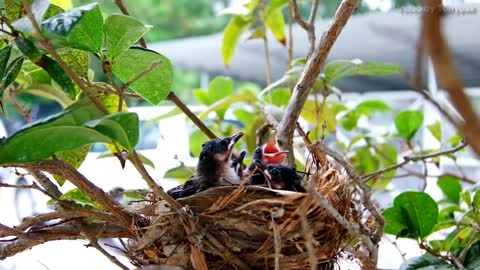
x: 249, y: 227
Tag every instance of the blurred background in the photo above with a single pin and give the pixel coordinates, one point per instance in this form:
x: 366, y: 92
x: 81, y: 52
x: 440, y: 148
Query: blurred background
x: 189, y: 33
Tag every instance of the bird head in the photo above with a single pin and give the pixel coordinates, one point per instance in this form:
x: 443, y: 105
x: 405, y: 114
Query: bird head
x: 283, y: 177
x: 271, y: 152
x: 215, y: 157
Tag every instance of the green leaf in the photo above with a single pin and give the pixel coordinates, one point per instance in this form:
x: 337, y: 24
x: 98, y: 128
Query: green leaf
x: 38, y: 9
x: 79, y: 28
x: 73, y: 157
x: 451, y: 187
x: 11, y: 73
x: 219, y: 88
x: 365, y: 161
x: 436, y: 130
x: 121, y: 127
x: 77, y: 196
x: 13, y: 9
x: 455, y: 140
x: 334, y: 68
x: 222, y: 104
x: 366, y: 69
x: 180, y: 172
x: 67, y: 131
x: 121, y: 32
x: 50, y: 92
x: 422, y: 262
x: 314, y: 113
x: 387, y: 155
x: 467, y: 197
x: 408, y: 122
x: 156, y: 84
x: 276, y: 24
x: 369, y: 106
x: 201, y: 96
x: 4, y: 56
x: 476, y: 200
x: 145, y: 160
x: 234, y: 29
x: 413, y: 215
x: 77, y: 60
x: 350, y: 119
x: 196, y: 140
x: 279, y: 97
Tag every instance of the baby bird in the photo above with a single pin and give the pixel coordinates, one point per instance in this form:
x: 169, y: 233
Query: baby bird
x: 214, y: 168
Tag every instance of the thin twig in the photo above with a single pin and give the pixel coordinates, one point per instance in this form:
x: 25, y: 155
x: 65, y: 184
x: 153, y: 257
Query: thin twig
x: 49, y: 48
x: 408, y: 159
x: 10, y: 94
x: 5, y: 231
x: 158, y: 190
x: 94, y: 243
x: 124, y: 10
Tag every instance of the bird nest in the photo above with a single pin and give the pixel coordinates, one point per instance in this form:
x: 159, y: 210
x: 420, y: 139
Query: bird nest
x: 249, y: 227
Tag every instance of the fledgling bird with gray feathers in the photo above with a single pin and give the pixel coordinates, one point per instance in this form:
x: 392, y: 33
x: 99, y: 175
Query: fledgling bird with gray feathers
x: 214, y: 168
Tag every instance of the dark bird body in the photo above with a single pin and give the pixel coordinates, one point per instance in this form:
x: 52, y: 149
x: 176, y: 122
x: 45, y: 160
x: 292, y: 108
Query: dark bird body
x: 214, y: 168
x: 267, y: 169
x: 284, y: 178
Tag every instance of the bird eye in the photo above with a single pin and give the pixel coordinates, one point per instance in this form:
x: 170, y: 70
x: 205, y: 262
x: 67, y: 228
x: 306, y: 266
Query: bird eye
x: 203, y: 145
x: 275, y: 172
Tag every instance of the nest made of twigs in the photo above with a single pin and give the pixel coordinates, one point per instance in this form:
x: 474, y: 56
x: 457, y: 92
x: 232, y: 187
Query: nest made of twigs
x: 248, y: 227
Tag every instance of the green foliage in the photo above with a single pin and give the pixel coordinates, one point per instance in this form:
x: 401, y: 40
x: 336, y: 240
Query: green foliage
x: 181, y: 172
x: 69, y: 130
x: 436, y: 130
x: 451, y: 187
x: 413, y: 215
x: 156, y: 84
x: 80, y: 199
x: 121, y: 32
x: 235, y: 28
x: 73, y: 157
x: 424, y: 261
x: 79, y: 28
x: 337, y: 70
x: 408, y: 123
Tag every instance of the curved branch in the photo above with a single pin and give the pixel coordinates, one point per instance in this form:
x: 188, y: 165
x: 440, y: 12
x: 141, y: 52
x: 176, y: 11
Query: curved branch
x: 309, y: 75
x: 60, y: 232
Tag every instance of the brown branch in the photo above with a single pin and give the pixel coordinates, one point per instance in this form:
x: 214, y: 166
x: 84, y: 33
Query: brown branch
x: 46, y: 183
x: 309, y: 26
x: 435, y: 253
x: 67, y: 214
x: 309, y: 75
x: 158, y: 190
x: 94, y: 243
x: 61, y: 232
x: 49, y: 48
x: 446, y: 72
x: 7, y: 231
x: 124, y: 10
x: 65, y: 170
x: 10, y: 94
x: 173, y: 98
x: 408, y: 159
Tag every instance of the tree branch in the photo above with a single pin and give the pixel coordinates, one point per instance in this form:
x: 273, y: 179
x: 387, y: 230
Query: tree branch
x: 94, y: 243
x: 408, y: 159
x: 60, y: 232
x: 446, y: 72
x: 309, y: 75
x: 49, y: 48
x: 62, y: 168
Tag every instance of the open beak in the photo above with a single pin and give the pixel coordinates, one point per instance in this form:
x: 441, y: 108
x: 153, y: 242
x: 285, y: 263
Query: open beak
x: 272, y: 153
x: 233, y: 139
